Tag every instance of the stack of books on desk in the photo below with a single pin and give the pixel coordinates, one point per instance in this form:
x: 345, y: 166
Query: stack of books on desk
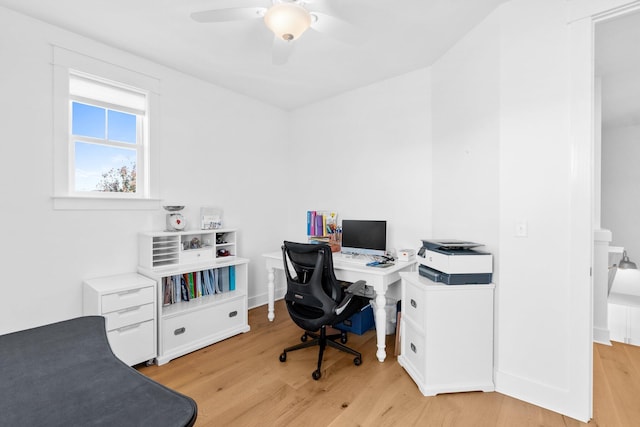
x: 322, y: 227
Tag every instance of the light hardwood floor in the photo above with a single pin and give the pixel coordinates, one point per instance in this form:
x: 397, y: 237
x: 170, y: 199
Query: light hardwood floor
x: 241, y: 382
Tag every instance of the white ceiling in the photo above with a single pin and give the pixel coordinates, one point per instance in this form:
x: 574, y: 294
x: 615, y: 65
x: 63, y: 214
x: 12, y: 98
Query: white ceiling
x: 399, y: 36
x: 617, y: 62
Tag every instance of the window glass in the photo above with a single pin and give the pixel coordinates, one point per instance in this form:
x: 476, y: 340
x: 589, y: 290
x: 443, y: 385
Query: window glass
x: 122, y: 126
x: 105, y: 149
x: 88, y: 120
x: 103, y: 168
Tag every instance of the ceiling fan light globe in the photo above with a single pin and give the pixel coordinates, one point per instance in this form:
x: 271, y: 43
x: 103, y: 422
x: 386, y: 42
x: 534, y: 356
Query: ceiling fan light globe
x: 287, y: 20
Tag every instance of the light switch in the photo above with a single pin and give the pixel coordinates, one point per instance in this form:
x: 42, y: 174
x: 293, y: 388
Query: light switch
x: 521, y: 228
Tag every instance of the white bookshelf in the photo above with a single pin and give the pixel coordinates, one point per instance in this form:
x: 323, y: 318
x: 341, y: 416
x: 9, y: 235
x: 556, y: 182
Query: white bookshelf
x: 186, y: 326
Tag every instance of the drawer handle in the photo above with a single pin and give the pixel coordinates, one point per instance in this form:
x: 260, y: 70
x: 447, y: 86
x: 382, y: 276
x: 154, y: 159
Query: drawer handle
x: 413, y: 348
x: 233, y: 313
x: 130, y: 291
x: 127, y: 328
x: 180, y: 331
x: 414, y: 304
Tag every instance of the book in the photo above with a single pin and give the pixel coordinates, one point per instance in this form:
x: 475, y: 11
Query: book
x: 322, y: 223
x: 232, y: 278
x: 166, y: 287
x: 319, y: 226
x: 184, y: 290
x: 312, y: 226
x: 188, y: 280
x: 198, y: 285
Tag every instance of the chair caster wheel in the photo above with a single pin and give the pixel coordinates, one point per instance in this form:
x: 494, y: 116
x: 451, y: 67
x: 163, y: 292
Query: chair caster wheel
x: 303, y: 338
x: 316, y: 375
x: 343, y: 339
x: 357, y: 361
x: 283, y: 357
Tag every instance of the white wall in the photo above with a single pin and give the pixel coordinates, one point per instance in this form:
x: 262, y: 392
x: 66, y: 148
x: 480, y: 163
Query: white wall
x: 501, y: 105
x: 466, y: 139
x: 620, y: 175
x: 537, y: 359
x: 208, y: 155
x: 367, y: 155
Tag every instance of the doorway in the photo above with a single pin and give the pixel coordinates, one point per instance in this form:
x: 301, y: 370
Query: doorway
x: 617, y: 68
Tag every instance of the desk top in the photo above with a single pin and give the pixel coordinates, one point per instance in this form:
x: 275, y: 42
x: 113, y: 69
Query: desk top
x: 338, y: 265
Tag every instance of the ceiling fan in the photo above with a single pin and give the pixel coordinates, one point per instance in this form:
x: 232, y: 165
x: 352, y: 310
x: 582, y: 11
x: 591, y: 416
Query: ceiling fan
x: 288, y: 19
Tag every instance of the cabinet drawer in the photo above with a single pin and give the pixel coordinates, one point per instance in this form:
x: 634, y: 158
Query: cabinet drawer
x: 129, y: 316
x: 416, y: 303
x: 135, y: 343
x: 187, y: 328
x: 196, y: 255
x: 413, y: 349
x: 130, y: 298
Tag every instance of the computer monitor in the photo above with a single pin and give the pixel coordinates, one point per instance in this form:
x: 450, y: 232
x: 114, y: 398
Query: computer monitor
x: 364, y: 237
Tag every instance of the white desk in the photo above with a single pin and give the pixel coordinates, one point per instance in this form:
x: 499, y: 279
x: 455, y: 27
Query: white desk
x: 378, y: 278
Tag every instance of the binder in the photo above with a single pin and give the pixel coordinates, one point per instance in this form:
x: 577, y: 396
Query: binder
x: 232, y: 278
x: 224, y: 279
x: 176, y: 289
x: 207, y: 282
x: 216, y: 280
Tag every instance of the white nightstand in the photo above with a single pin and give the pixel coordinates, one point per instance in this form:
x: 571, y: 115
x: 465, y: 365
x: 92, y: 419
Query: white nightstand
x: 128, y: 303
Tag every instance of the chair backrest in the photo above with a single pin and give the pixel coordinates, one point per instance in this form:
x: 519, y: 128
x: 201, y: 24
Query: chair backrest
x: 312, y: 289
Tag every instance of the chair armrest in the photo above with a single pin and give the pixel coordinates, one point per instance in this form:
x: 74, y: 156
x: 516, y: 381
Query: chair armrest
x: 355, y: 287
x: 349, y: 294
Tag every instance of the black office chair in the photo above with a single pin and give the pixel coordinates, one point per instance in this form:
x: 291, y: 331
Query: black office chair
x: 315, y: 299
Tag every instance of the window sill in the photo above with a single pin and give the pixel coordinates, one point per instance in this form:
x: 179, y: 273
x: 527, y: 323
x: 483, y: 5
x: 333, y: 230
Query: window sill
x: 100, y: 203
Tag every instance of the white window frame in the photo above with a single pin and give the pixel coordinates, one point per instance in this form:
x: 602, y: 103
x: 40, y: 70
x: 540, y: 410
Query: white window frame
x: 66, y: 63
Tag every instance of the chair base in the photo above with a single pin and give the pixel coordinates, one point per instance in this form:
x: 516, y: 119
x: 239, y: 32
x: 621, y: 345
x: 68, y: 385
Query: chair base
x: 322, y: 340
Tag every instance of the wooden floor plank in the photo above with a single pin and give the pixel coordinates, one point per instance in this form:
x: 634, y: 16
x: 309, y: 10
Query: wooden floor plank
x: 241, y: 382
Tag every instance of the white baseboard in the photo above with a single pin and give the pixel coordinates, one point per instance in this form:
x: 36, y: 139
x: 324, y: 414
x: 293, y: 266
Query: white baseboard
x: 601, y: 336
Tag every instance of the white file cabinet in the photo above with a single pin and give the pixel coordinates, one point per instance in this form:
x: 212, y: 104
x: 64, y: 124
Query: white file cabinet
x: 128, y: 303
x: 446, y: 335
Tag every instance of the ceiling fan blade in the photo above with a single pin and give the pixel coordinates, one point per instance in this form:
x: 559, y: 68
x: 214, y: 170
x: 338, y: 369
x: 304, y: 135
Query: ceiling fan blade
x: 337, y: 28
x: 281, y: 50
x: 232, y: 14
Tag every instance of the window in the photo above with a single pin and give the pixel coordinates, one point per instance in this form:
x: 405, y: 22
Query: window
x: 104, y: 118
x: 107, y: 138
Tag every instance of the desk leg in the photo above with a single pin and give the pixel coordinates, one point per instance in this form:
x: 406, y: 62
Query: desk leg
x: 381, y: 325
x: 271, y: 293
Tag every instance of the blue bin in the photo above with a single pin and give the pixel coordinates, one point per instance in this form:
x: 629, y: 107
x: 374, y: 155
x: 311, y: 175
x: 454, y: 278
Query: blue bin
x: 359, y: 323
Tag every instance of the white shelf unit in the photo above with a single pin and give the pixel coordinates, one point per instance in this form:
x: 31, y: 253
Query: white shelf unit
x: 168, y: 248
x: 128, y: 304
x: 187, y: 326
x: 446, y: 335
